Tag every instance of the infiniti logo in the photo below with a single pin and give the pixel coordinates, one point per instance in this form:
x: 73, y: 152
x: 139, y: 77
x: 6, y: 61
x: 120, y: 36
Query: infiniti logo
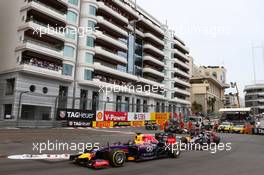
x: 149, y: 149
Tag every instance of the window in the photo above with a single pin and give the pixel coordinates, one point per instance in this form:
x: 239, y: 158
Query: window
x: 91, y: 25
x: 8, y: 111
x: 70, y: 33
x: 127, y: 104
x: 138, y: 106
x: 92, y: 10
x: 67, y: 69
x: 145, y: 106
x: 69, y: 51
x: 88, y: 58
x: 214, y: 74
x: 157, y: 107
x: 90, y: 41
x: 63, y: 93
x: 118, y: 103
x: 10, y: 86
x: 73, y: 2
x: 122, y: 68
x: 72, y: 17
x: 83, y: 96
x: 87, y: 74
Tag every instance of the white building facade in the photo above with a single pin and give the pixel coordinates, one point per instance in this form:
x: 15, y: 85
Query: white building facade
x: 47, y: 64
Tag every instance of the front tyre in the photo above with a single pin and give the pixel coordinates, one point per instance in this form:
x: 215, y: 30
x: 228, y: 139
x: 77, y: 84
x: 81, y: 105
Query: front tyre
x: 117, y: 158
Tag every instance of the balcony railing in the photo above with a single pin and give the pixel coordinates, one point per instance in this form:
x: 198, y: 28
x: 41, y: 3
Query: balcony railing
x: 41, y: 43
x: 41, y: 64
x: 47, y: 6
x: 61, y: 31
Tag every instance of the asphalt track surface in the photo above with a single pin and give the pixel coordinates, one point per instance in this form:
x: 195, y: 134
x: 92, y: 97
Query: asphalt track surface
x: 246, y: 156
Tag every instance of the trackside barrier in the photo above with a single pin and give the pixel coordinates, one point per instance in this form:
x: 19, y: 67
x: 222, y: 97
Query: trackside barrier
x: 103, y: 124
x: 109, y: 119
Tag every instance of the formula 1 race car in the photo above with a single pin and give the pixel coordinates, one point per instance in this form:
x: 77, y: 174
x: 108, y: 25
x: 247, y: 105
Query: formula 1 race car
x: 201, y: 137
x: 144, y: 147
x: 151, y: 126
x: 173, y: 126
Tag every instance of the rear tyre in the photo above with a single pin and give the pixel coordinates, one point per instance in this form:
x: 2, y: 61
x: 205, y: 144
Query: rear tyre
x: 217, y: 140
x: 175, y: 154
x: 117, y: 158
x: 184, y: 140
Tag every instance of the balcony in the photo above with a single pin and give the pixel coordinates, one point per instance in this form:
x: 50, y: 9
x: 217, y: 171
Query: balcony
x: 44, y: 72
x: 178, y: 100
x: 45, y: 9
x: 45, y: 19
x: 181, y: 91
x: 40, y: 47
x: 153, y: 71
x: 103, y: 21
x: 110, y: 40
x: 147, y: 81
x: 110, y: 56
x: 42, y: 28
x: 180, y: 54
x: 112, y: 71
x: 42, y: 65
x: 181, y: 82
x: 180, y: 63
x: 182, y: 73
x: 110, y: 11
x: 126, y: 8
x: 154, y: 39
x: 182, y: 47
x: 151, y: 26
x: 153, y: 49
x: 153, y: 60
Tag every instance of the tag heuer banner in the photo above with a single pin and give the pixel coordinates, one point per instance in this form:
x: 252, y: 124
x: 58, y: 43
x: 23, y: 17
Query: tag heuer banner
x: 76, y: 118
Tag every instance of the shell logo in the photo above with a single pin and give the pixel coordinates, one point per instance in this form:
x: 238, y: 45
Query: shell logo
x: 99, y: 116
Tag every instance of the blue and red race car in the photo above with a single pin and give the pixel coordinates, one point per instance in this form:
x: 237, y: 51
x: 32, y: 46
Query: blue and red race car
x: 144, y: 147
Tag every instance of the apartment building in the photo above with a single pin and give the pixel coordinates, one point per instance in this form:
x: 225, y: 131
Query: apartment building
x: 208, y: 86
x: 67, y: 66
x: 254, y: 97
x: 231, y: 101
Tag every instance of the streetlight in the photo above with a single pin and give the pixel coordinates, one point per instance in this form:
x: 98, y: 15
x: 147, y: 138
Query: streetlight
x: 234, y: 85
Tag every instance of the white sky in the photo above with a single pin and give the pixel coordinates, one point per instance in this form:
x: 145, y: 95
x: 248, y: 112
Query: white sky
x: 218, y: 32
